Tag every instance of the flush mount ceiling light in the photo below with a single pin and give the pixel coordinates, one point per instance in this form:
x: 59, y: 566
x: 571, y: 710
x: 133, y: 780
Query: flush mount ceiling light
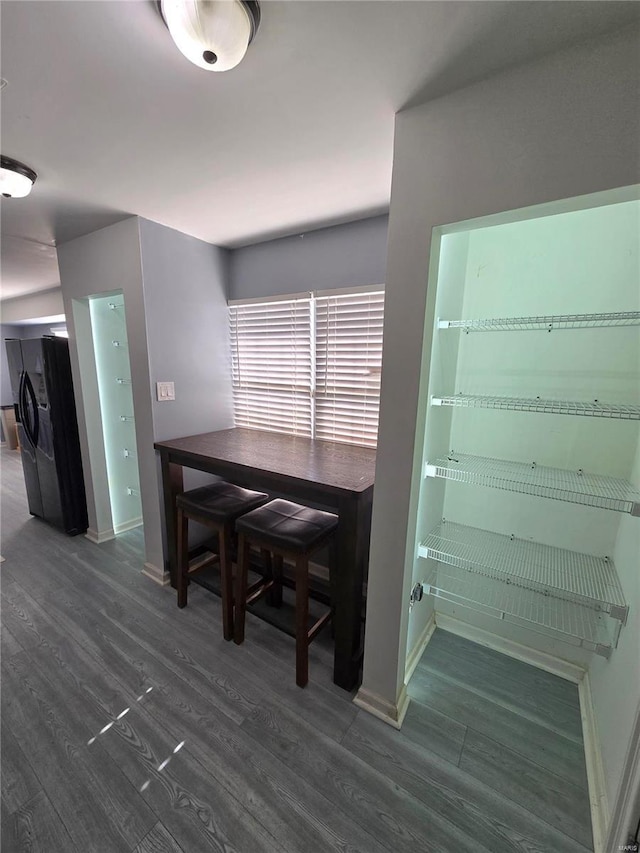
x: 213, y: 34
x: 16, y: 179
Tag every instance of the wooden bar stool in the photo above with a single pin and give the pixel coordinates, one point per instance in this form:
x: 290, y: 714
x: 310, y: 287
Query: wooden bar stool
x: 216, y: 506
x: 285, y: 530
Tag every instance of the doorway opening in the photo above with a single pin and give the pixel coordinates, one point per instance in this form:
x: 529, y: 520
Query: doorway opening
x: 115, y: 394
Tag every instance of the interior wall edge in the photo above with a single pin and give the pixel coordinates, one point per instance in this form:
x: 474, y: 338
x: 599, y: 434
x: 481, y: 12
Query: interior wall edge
x: 378, y: 706
x: 100, y: 536
x: 159, y: 576
x: 85, y: 385
x: 625, y: 812
x: 598, y: 800
x: 413, y: 658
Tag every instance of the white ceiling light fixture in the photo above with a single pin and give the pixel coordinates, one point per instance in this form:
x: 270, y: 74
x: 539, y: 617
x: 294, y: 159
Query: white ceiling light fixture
x: 16, y: 179
x: 213, y: 34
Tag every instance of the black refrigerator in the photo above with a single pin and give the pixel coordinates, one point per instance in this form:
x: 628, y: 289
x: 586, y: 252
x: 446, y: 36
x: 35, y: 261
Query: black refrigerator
x: 45, y: 409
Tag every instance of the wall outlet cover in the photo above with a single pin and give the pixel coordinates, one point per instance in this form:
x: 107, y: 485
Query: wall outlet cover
x: 166, y: 391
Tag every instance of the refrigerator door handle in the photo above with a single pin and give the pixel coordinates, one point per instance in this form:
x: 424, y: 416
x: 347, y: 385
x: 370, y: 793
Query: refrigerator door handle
x: 35, y: 429
x: 30, y: 431
x: 22, y: 407
x: 20, y: 391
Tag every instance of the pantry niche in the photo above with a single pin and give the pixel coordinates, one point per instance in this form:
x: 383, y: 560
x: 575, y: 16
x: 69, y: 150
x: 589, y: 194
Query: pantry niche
x: 531, y: 462
x: 113, y: 372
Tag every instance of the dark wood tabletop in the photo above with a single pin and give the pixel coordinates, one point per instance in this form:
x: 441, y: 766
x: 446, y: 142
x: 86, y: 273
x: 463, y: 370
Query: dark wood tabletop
x: 333, y: 476
x: 344, y: 467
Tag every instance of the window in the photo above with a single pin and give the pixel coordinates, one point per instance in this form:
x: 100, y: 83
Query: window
x: 309, y: 364
x: 271, y: 364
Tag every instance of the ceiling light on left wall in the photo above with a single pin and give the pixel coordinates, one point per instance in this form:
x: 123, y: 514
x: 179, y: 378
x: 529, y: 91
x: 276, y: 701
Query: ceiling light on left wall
x: 16, y: 179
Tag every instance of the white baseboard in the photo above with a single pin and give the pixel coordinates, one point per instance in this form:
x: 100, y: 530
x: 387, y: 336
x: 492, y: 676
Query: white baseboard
x: 556, y: 666
x: 127, y: 525
x: 386, y: 711
x: 413, y: 658
x: 598, y: 800
x: 97, y: 537
x: 157, y: 575
x: 626, y: 806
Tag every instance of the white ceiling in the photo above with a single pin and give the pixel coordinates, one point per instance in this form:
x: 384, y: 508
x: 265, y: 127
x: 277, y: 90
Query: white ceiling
x: 116, y: 121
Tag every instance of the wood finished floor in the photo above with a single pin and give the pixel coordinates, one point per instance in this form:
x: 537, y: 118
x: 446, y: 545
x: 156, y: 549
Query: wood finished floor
x: 489, y: 759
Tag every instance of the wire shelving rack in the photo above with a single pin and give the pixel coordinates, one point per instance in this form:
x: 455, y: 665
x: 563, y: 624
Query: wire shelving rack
x: 542, y: 481
x: 544, y: 323
x: 566, y: 620
x: 567, y: 575
x: 594, y: 408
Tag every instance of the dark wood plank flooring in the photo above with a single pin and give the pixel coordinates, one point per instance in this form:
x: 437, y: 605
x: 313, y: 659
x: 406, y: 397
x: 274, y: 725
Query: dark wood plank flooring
x: 489, y: 759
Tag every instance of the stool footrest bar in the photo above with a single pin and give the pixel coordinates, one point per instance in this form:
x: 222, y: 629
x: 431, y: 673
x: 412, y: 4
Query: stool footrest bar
x: 322, y: 621
x: 257, y: 590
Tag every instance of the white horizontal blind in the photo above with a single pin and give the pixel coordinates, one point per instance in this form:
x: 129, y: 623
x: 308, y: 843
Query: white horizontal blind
x: 272, y: 365
x: 310, y: 365
x: 348, y: 366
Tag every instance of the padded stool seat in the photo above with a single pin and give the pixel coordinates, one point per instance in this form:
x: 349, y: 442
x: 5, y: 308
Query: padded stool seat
x: 217, y: 505
x: 220, y: 502
x: 287, y: 525
x: 283, y: 529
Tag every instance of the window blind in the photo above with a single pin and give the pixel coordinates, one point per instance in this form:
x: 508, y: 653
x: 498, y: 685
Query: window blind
x: 272, y: 365
x: 309, y: 365
x: 348, y: 365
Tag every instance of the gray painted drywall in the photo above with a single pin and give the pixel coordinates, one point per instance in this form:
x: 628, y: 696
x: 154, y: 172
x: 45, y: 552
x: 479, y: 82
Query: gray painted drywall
x: 564, y: 126
x: 99, y: 263
x: 174, y: 290
x: 351, y: 255
x: 185, y: 296
x: 185, y: 291
x: 44, y: 303
x: 30, y: 330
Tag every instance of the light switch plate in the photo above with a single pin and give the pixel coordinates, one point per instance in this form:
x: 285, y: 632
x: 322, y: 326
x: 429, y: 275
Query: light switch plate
x: 166, y: 391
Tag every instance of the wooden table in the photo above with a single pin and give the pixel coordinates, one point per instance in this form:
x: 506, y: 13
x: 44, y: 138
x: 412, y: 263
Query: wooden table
x: 337, y: 477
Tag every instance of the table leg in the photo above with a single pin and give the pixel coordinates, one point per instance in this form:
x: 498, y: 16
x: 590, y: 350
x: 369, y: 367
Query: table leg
x: 351, y: 559
x: 172, y: 484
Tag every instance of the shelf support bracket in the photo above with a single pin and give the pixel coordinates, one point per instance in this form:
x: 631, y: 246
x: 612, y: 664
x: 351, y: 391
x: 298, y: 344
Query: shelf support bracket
x: 619, y: 612
x: 603, y: 651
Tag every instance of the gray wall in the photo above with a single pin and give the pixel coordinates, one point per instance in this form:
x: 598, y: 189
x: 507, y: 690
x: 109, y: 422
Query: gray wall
x: 351, y: 255
x: 185, y: 297
x: 43, y: 303
x: 174, y: 290
x: 102, y: 262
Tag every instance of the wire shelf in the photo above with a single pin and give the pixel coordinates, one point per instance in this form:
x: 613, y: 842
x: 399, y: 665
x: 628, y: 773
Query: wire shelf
x: 539, y: 480
x: 544, y: 323
x: 571, y: 622
x: 568, y: 575
x: 593, y: 409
